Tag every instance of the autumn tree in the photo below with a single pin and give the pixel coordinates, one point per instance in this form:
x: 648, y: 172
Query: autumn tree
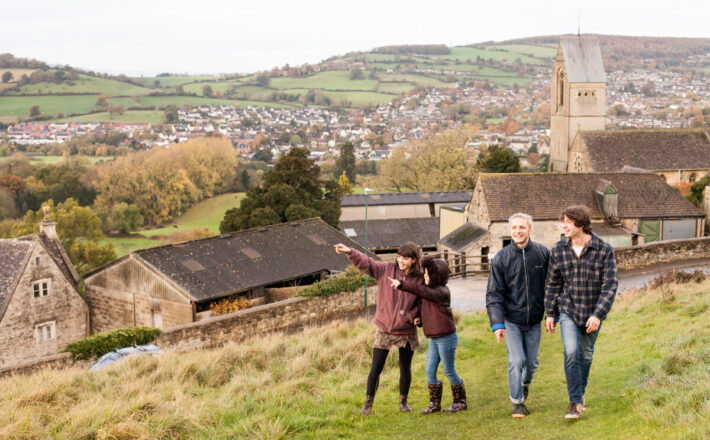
x: 121, y: 217
x: 344, y: 184
x: 34, y: 111
x: 292, y: 190
x: 102, y: 100
x: 496, y: 159
x: 439, y: 162
x: 7, y: 77
x: 207, y: 91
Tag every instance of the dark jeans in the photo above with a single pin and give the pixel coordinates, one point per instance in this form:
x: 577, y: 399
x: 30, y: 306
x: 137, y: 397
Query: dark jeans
x: 579, y: 350
x: 379, y: 356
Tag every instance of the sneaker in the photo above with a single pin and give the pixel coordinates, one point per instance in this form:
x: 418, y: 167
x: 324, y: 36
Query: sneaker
x: 519, y: 411
x: 574, y: 411
x: 584, y: 403
x: 526, y: 390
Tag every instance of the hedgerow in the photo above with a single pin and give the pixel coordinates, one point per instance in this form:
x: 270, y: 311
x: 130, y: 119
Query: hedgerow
x: 350, y: 281
x: 104, y: 342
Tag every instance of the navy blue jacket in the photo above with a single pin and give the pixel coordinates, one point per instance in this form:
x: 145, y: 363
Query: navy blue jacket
x: 516, y: 285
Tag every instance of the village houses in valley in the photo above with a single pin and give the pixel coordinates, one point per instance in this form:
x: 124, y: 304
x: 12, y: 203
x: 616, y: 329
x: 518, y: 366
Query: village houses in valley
x: 41, y: 310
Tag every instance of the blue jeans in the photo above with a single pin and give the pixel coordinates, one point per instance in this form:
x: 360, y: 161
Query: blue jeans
x: 442, y: 349
x: 523, y: 348
x: 579, y: 350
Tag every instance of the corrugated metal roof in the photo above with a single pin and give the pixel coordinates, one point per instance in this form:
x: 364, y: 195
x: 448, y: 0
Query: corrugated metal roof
x: 583, y: 59
x: 407, y: 198
x: 391, y: 233
x: 463, y: 236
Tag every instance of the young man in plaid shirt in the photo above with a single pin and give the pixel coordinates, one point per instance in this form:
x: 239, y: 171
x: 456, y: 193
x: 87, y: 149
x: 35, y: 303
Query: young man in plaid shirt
x: 580, y: 290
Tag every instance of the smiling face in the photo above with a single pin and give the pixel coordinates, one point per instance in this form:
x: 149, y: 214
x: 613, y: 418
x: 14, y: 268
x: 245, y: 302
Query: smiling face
x: 404, y: 263
x: 520, y: 231
x: 570, y: 229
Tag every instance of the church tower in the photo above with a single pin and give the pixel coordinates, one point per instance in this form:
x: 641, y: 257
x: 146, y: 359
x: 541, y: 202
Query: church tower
x: 578, y: 95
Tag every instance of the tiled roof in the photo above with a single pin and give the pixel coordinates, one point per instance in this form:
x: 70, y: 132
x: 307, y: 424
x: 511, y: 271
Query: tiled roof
x: 545, y: 195
x: 583, y: 59
x: 612, y: 150
x: 463, y: 236
x: 238, y: 261
x: 391, y: 233
x: 14, y: 257
x: 406, y: 198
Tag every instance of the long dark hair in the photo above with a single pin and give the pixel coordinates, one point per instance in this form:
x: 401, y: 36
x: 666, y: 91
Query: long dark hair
x: 581, y: 217
x: 438, y: 271
x: 411, y: 250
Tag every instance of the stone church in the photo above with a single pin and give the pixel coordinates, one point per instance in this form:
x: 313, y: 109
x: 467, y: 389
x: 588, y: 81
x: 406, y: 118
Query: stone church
x: 579, y: 141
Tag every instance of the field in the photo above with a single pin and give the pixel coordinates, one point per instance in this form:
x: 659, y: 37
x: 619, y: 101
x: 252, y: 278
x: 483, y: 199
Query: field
x: 172, y: 81
x: 648, y: 381
x: 51, y: 105
x: 149, y: 116
x: 334, y: 80
x: 87, y: 84
x: 16, y: 73
x: 206, y: 214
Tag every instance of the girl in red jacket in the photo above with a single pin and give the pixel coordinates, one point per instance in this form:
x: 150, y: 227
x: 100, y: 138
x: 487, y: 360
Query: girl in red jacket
x: 394, y: 317
x: 438, y: 324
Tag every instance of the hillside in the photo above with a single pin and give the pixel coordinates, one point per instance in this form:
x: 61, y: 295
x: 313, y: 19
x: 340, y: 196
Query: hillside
x: 353, y: 80
x: 649, y: 381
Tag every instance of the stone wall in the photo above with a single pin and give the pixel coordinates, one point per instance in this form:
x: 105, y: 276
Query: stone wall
x: 662, y: 252
x: 62, y: 309
x: 111, y: 310
x: 287, y: 315
x: 56, y: 361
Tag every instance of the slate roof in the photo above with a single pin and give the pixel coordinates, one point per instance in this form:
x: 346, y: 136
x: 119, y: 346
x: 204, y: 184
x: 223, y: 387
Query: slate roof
x: 391, y: 233
x: 463, y: 236
x: 14, y: 259
x: 611, y: 151
x: 545, y: 195
x: 605, y: 230
x: 218, y: 266
x: 583, y: 59
x: 406, y: 198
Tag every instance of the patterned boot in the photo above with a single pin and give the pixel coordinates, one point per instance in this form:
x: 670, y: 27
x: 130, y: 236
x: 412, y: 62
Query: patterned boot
x: 459, y: 393
x: 367, y: 407
x: 435, y: 391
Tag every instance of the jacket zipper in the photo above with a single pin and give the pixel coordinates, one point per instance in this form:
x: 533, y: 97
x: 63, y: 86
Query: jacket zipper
x: 527, y: 294
x: 396, y: 303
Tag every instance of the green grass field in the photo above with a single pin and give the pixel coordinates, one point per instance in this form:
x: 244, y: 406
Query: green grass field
x: 217, y: 86
x: 395, y: 87
x: 149, y: 116
x: 124, y: 246
x: 162, y: 101
x: 172, y: 81
x: 88, y: 84
x: 418, y: 80
x: 332, y: 80
x: 51, y: 105
x: 648, y: 381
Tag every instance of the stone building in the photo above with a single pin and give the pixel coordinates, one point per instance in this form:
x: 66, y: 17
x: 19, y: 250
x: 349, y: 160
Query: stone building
x: 41, y: 310
x: 578, y: 95
x: 627, y: 209
x: 580, y: 143
x: 169, y: 285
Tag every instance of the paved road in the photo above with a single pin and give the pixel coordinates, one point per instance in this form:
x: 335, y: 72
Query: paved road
x: 470, y: 294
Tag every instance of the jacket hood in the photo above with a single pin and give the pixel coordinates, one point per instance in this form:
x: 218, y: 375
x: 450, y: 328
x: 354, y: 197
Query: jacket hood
x: 438, y: 271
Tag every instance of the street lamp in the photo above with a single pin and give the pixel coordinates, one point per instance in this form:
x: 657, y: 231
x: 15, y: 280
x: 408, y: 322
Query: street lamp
x: 367, y: 250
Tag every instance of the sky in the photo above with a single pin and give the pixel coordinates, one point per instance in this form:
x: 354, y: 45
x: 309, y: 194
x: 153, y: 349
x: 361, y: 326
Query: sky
x: 148, y: 37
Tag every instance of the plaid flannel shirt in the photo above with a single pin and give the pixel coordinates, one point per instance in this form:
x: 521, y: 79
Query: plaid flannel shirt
x: 584, y: 286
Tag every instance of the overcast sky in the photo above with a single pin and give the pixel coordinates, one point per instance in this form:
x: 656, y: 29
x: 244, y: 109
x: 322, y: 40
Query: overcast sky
x: 210, y: 36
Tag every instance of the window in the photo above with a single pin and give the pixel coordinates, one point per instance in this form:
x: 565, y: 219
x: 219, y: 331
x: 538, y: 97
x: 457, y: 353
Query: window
x: 37, y: 262
x: 507, y: 241
x: 41, y: 288
x: 560, y: 89
x: 45, y: 331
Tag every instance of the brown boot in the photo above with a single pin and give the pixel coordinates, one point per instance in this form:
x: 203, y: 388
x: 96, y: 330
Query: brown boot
x: 459, y: 393
x: 403, y: 404
x: 367, y: 407
x: 435, y: 391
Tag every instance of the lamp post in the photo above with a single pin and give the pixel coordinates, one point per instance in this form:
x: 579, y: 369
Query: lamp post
x: 367, y: 250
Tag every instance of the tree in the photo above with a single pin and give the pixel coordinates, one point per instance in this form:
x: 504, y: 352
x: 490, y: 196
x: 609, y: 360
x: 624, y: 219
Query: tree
x: 207, y: 91
x: 263, y: 80
x: 122, y: 217
x: 7, y: 77
x: 102, y: 100
x: 346, y: 162
x: 290, y: 191
x: 496, y: 159
x: 264, y: 155
x: 344, y: 184
x: 439, y: 162
x: 34, y: 111
x: 356, y: 73
x: 697, y: 192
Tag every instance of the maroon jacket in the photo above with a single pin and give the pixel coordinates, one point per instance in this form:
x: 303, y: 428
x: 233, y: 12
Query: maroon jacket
x: 437, y: 318
x: 396, y: 310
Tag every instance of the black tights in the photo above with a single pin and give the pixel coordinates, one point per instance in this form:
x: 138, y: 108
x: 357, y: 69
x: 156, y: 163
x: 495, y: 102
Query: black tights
x: 379, y: 356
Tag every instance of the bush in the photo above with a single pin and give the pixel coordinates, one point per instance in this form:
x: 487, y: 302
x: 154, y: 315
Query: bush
x: 102, y: 343
x: 229, y: 305
x: 677, y: 277
x: 350, y: 281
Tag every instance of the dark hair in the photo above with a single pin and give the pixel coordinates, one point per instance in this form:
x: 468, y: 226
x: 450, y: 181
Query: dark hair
x: 438, y: 271
x: 580, y: 215
x: 411, y: 250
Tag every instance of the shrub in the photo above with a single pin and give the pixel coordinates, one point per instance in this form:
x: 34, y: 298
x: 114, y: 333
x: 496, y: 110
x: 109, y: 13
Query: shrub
x: 350, y: 281
x: 229, y: 305
x: 104, y: 342
x: 677, y: 277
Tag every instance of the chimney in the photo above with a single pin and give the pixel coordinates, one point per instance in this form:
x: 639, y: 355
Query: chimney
x: 47, y: 226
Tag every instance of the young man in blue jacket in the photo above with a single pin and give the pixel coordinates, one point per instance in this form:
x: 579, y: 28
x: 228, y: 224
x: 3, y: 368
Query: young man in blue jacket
x: 515, y: 304
x: 581, y: 286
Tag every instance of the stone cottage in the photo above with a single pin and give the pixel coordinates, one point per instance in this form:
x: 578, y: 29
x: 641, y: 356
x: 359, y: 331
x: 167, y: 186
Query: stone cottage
x: 41, y: 310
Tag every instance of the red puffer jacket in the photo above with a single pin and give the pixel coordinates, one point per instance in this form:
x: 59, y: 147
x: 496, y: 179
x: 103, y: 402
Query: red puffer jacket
x: 396, y: 310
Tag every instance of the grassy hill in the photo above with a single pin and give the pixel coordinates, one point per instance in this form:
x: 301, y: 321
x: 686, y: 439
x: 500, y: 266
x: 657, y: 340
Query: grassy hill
x: 648, y: 381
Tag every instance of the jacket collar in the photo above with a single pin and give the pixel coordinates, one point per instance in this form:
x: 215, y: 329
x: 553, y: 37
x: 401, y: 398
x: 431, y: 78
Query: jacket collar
x: 515, y: 248
x: 594, y: 243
